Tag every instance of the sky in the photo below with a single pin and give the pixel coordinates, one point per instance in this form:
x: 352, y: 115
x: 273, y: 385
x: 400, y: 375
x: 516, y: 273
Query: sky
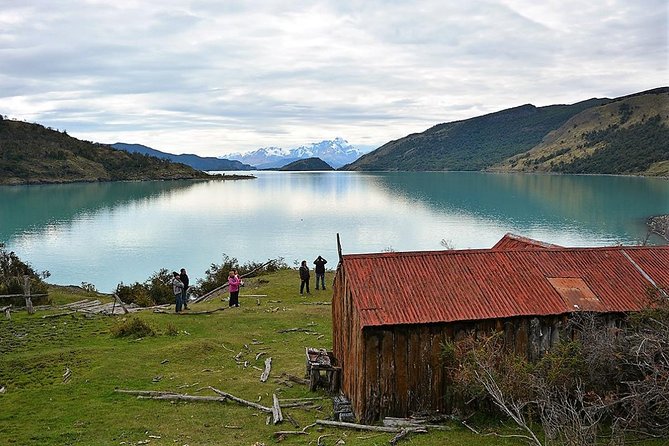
x: 215, y: 77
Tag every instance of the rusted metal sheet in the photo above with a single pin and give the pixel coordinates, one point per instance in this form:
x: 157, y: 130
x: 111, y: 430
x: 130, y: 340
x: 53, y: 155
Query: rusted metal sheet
x: 576, y: 293
x: 445, y: 286
x: 513, y: 241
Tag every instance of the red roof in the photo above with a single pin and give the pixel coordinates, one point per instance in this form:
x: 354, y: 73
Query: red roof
x: 513, y: 241
x: 447, y: 286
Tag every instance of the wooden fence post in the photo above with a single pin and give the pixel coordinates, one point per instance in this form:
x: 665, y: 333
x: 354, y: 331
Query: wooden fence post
x: 26, y: 294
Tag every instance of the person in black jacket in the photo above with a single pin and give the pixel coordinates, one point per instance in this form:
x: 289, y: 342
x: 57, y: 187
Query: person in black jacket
x: 304, y: 277
x: 184, y: 293
x: 320, y: 271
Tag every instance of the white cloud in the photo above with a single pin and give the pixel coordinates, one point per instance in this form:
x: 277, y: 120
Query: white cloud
x: 215, y: 77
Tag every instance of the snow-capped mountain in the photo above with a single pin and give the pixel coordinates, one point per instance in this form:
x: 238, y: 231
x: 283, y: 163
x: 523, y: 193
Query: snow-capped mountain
x: 336, y: 153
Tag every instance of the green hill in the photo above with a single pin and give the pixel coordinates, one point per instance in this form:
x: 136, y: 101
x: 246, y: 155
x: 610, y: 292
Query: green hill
x: 627, y: 136
x: 472, y: 144
x: 313, y: 163
x: 31, y: 153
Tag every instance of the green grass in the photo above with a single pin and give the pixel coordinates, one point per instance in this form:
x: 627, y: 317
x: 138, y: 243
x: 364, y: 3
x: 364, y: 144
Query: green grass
x: 39, y: 408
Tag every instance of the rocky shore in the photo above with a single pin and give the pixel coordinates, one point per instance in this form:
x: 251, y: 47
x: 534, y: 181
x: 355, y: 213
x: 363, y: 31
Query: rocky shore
x: 659, y: 225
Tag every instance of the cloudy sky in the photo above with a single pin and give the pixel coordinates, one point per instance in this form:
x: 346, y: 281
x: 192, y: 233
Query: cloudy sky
x: 213, y: 77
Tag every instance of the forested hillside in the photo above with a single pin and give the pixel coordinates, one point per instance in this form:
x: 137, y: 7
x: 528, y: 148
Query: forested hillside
x: 31, y: 153
x: 627, y: 136
x: 472, y: 144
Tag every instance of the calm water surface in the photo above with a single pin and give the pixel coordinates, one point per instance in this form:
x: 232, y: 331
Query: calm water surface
x: 123, y: 232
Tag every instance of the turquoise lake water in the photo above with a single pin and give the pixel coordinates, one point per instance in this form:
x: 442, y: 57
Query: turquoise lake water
x: 106, y: 233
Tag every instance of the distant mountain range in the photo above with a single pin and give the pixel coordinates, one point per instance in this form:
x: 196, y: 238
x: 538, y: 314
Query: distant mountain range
x: 626, y: 135
x: 195, y: 161
x: 336, y: 153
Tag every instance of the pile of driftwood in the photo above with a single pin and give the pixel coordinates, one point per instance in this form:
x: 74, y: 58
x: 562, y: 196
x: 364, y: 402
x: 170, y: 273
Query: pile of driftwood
x: 90, y: 306
x: 401, y: 427
x: 275, y: 414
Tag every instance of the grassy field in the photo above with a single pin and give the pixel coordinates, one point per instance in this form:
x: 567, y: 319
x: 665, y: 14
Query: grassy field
x: 39, y: 408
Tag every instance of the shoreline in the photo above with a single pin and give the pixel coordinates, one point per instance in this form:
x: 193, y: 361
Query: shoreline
x: 659, y: 225
x: 211, y: 177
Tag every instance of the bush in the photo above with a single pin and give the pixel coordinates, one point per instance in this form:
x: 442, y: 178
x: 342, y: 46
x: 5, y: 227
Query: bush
x: 12, y: 270
x: 132, y: 327
x: 607, y: 377
x: 217, y: 274
x: 156, y: 290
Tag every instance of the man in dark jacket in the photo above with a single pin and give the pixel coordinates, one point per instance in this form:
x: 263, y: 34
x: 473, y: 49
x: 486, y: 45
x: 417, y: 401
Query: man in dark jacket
x: 184, y: 293
x: 320, y: 271
x: 304, y: 277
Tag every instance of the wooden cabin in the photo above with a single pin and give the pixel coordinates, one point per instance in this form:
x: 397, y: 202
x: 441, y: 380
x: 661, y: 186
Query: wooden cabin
x: 391, y: 312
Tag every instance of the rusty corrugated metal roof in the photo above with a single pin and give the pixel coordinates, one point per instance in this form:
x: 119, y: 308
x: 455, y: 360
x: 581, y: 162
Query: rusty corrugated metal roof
x: 447, y: 286
x: 513, y: 241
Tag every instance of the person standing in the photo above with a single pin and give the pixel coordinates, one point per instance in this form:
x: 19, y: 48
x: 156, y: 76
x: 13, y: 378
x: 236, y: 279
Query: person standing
x: 234, y: 282
x: 184, y: 294
x: 304, y: 277
x: 320, y: 271
x: 177, y: 289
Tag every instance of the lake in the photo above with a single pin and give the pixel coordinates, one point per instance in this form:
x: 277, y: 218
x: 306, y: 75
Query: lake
x: 106, y: 233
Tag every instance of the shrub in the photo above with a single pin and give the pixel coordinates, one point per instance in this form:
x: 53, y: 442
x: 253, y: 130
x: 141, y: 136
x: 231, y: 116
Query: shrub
x: 156, y: 290
x: 132, y: 327
x: 171, y: 330
x: 12, y: 270
x: 217, y: 274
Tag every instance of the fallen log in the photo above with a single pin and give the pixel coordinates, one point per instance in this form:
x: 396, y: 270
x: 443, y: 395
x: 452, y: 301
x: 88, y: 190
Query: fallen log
x: 277, y: 416
x: 296, y: 329
x: 144, y: 392
x: 49, y: 316
x: 268, y: 368
x: 241, y: 401
x: 189, y: 313
x: 365, y: 427
x: 183, y: 397
x: 297, y: 379
x: 116, y: 298
x: 411, y: 422
x: 302, y: 432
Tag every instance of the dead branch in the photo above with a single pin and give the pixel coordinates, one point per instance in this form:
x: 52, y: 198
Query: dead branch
x: 116, y: 298
x: 300, y: 432
x: 268, y: 368
x: 362, y: 427
x: 319, y: 443
x: 190, y: 313
x: 241, y: 401
x: 296, y: 379
x: 49, y: 316
x: 296, y: 329
x: 277, y: 416
x: 144, y: 392
x: 183, y: 397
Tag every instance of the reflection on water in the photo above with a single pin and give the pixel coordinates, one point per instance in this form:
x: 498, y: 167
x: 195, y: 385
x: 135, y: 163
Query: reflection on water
x: 112, y: 232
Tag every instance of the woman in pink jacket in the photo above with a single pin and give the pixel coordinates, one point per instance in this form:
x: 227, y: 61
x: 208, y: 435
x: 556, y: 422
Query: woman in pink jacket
x: 234, y: 282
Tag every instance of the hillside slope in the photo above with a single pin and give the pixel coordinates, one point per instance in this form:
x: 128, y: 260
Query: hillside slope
x: 627, y: 136
x: 472, y: 144
x: 195, y: 161
x: 313, y: 164
x: 31, y: 153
